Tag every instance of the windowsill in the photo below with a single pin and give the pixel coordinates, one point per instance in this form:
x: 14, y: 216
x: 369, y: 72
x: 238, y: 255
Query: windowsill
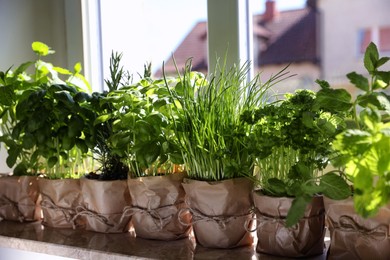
x: 80, y: 244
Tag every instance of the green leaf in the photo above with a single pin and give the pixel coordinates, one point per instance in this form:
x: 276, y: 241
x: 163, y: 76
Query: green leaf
x: 20, y: 169
x: 52, y: 161
x: 297, y: 210
x: 41, y: 49
x: 294, y: 189
x: 67, y: 142
x: 176, y: 158
x: 41, y: 136
x: 7, y: 95
x: 13, y: 153
x: 311, y: 189
x: 75, y: 126
x: 62, y: 71
x: 300, y: 171
x: 28, y: 141
x: 384, y: 103
x: 371, y: 57
x: 359, y: 81
x: 81, y: 97
x: 379, y: 84
x: 82, y: 145
x: 382, y: 61
x: 323, y: 84
x: 334, y: 186
x: 77, y: 68
x: 148, y: 153
x: 102, y: 119
x: 375, y: 99
x: 144, y: 129
x: 308, y: 119
x: 384, y: 76
x: 65, y: 97
x: 23, y: 67
x: 338, y: 100
x: 276, y: 187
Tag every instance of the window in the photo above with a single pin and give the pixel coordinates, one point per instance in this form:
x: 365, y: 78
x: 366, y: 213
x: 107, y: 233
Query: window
x: 379, y: 35
x: 384, y: 39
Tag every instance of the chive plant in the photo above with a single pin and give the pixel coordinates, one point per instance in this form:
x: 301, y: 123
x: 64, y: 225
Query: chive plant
x: 207, y: 123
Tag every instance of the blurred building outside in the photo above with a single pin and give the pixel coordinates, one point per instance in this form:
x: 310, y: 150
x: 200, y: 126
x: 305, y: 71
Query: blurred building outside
x: 324, y: 40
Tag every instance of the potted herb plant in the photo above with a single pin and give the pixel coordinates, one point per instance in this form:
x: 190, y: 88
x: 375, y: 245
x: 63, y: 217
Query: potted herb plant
x: 104, y: 191
x: 18, y: 193
x: 291, y: 144
x: 64, y: 151
x: 142, y: 135
x: 359, y: 226
x: 36, y: 128
x: 214, y: 148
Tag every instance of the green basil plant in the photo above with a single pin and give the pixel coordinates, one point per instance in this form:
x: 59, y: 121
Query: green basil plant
x: 44, y: 123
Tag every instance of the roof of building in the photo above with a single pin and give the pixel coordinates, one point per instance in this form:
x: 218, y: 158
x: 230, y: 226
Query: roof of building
x: 194, y: 46
x: 293, y: 37
x: 288, y: 37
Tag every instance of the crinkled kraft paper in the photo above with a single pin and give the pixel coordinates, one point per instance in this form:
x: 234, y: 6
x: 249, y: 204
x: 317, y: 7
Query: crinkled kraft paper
x: 103, y: 205
x: 156, y: 202
x: 353, y: 237
x: 18, y: 198
x: 302, y: 240
x: 60, y: 198
x: 221, y: 211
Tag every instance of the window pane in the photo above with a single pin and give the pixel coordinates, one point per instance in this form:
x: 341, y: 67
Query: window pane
x: 364, y: 38
x: 384, y: 39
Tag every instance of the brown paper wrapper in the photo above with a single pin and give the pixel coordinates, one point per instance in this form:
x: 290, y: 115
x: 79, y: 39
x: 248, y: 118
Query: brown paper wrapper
x: 353, y: 237
x: 304, y: 239
x: 156, y: 202
x: 221, y: 211
x: 18, y: 198
x: 103, y: 205
x: 60, y: 198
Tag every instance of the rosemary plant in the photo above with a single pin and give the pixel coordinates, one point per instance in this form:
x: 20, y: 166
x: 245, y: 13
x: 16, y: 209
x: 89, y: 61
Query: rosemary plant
x: 140, y: 133
x: 112, y: 166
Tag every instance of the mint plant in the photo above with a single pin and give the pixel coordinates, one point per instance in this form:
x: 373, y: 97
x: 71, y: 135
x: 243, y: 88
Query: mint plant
x: 364, y: 147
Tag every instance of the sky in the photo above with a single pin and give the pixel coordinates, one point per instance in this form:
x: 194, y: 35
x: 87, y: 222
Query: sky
x: 150, y: 30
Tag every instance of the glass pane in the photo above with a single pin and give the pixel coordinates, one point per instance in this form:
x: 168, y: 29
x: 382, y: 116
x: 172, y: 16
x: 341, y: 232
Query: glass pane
x: 147, y: 30
x: 384, y: 39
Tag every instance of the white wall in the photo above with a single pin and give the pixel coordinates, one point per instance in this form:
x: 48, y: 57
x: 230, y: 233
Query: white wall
x: 54, y: 22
